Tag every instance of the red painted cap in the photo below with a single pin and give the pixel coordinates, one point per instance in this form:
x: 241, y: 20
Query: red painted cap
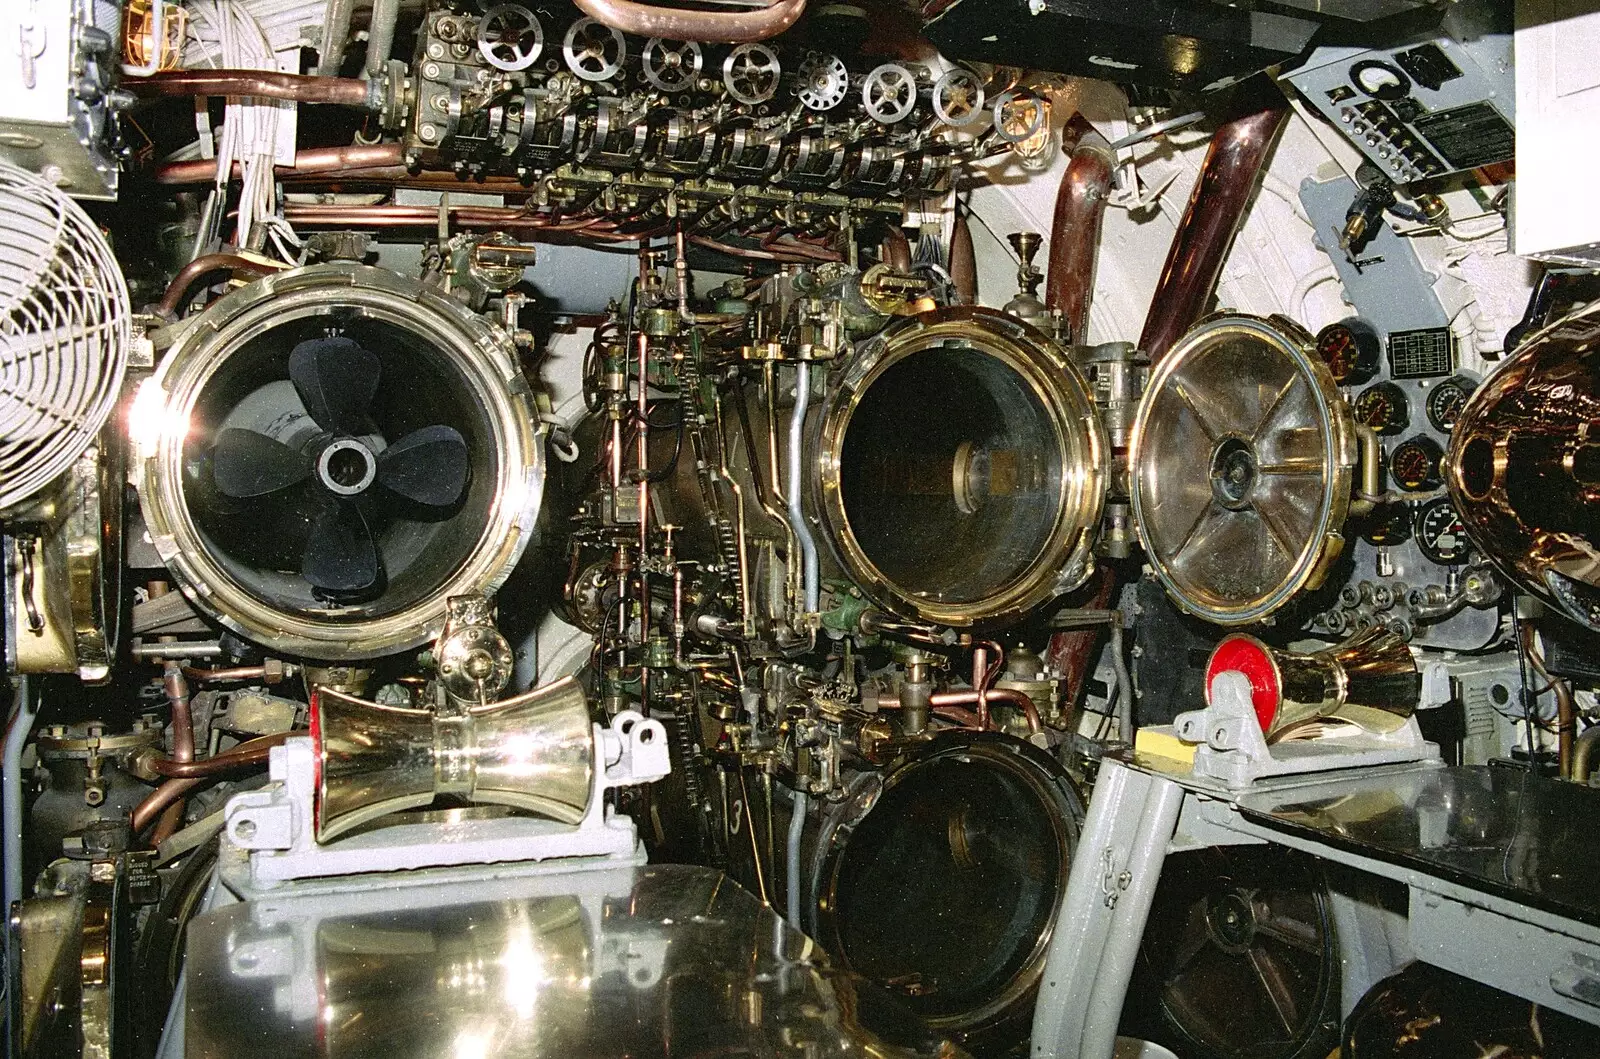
x: 316, y: 755
x: 1247, y: 655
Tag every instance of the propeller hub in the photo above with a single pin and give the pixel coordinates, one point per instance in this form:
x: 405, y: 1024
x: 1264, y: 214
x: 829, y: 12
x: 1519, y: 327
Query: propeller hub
x: 347, y: 467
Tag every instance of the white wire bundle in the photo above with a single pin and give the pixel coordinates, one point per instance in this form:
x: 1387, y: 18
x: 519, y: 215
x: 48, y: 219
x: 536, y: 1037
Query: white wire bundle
x: 225, y: 34
x: 65, y: 329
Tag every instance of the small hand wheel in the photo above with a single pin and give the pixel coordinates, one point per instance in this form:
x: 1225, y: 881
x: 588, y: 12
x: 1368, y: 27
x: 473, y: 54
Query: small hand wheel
x: 1018, y: 116
x: 671, y: 66
x: 593, y: 50
x: 958, y: 97
x: 510, y: 37
x: 889, y: 93
x: 750, y: 73
x: 823, y: 82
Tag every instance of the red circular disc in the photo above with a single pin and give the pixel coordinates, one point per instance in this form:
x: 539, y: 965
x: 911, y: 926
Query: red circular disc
x: 1251, y: 657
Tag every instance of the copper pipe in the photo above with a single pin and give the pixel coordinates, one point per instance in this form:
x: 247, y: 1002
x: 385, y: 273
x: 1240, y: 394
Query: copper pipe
x: 177, y: 691
x: 1222, y: 192
x: 1566, y: 710
x: 1075, y: 232
x: 895, y: 250
x: 254, y: 752
x: 307, y: 162
x: 175, y: 790
x: 985, y: 698
x: 672, y: 23
x: 204, y: 265
x: 493, y: 217
x: 1582, y: 751
x: 965, y: 718
x: 963, y: 262
x: 216, y: 676
x: 159, y: 800
x: 254, y: 84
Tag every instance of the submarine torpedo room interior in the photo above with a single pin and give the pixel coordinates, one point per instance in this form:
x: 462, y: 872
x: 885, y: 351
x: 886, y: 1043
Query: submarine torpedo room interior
x: 793, y: 528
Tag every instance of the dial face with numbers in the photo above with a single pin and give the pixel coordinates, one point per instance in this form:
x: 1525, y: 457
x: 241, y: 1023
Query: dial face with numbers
x: 1383, y: 408
x: 1390, y: 526
x: 1414, y: 464
x: 1440, y: 534
x: 1350, y: 350
x: 1446, y: 400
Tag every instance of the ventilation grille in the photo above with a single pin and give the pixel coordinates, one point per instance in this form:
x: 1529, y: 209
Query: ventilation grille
x: 64, y: 333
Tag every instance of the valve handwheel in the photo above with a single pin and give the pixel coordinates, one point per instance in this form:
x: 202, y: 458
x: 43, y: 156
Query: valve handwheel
x: 889, y: 93
x: 593, y: 50
x: 670, y: 65
x: 958, y: 97
x: 750, y: 73
x: 510, y: 38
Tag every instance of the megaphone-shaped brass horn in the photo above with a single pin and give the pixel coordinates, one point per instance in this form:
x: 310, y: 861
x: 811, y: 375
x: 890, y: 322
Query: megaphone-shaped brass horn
x: 535, y: 752
x: 1370, y: 680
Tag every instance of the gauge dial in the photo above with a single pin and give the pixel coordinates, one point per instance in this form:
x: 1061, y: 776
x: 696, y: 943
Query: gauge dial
x: 1379, y: 80
x: 1446, y: 400
x: 1350, y: 350
x: 1388, y: 527
x: 1383, y: 408
x: 1440, y: 535
x: 1414, y: 464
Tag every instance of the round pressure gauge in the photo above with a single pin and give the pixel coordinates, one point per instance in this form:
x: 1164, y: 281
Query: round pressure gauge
x: 1383, y: 408
x: 1441, y: 537
x: 1389, y: 526
x: 1350, y: 350
x: 1379, y: 80
x: 1447, y: 399
x: 1414, y: 464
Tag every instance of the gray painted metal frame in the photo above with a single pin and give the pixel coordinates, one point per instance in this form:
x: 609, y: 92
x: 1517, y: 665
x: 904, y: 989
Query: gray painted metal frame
x: 1138, y: 815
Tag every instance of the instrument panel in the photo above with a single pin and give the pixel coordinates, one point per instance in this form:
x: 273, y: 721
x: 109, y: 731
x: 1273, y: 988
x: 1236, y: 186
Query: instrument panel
x: 776, y: 586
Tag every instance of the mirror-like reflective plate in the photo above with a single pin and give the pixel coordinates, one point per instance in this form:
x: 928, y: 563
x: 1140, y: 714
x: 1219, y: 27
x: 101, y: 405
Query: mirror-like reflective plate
x: 1242, y: 462
x: 1524, y: 837
x: 656, y: 961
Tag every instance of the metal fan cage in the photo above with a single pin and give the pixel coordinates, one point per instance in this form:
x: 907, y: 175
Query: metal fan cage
x: 65, y: 330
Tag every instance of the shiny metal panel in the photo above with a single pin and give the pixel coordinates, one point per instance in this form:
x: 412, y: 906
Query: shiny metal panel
x: 1242, y: 463
x: 1523, y: 837
x: 666, y: 960
x: 1524, y: 466
x: 962, y: 469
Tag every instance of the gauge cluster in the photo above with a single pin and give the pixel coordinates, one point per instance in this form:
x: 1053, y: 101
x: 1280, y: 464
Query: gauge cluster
x: 1414, y: 542
x: 604, y: 527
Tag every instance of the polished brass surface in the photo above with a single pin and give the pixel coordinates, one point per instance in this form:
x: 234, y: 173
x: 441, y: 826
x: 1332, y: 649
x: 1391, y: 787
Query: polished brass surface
x: 961, y: 469
x: 444, y: 364
x: 1370, y: 680
x: 1242, y: 463
x: 532, y: 752
x: 64, y: 586
x: 1523, y: 468
x: 664, y: 960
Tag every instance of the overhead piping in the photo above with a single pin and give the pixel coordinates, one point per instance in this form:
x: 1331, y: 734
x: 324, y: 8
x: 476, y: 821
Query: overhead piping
x: 1222, y: 192
x: 256, y: 84
x: 963, y: 262
x: 307, y: 162
x: 1075, y: 231
x: 671, y: 23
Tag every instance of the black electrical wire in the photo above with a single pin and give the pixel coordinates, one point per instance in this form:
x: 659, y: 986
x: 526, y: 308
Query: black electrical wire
x: 1528, y: 705
x: 656, y: 477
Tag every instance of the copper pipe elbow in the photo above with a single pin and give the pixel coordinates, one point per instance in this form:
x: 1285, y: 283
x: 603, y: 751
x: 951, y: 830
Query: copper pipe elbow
x: 1075, y: 231
x: 647, y: 20
x: 1222, y: 193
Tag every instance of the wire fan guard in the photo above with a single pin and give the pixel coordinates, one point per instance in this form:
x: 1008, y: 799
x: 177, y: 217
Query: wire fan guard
x: 65, y: 328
